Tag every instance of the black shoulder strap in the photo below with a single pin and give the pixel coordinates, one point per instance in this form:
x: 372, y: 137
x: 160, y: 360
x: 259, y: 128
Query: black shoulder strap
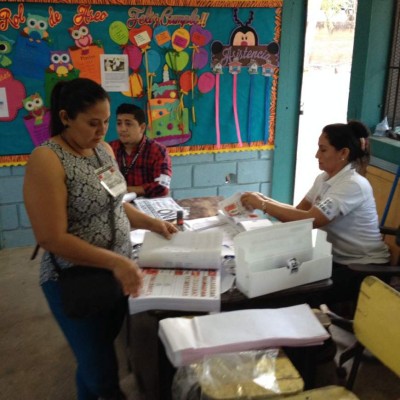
x: 35, y: 251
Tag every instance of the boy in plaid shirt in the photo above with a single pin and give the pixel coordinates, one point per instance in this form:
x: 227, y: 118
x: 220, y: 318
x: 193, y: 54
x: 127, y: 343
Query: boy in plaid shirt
x: 145, y: 164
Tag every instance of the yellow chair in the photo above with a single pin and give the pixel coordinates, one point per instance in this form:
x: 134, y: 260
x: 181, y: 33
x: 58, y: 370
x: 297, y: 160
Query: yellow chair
x: 376, y: 328
x: 387, y: 273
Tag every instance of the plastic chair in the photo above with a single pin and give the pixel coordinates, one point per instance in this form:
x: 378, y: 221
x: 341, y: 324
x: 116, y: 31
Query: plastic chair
x: 384, y: 273
x: 376, y: 328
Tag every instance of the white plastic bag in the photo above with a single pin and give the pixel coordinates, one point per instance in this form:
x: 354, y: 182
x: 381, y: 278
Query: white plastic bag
x: 382, y: 128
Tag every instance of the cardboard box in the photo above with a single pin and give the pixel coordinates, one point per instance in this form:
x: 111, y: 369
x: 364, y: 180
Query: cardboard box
x: 280, y: 257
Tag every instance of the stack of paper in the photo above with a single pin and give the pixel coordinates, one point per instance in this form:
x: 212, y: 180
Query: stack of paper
x: 161, y: 207
x: 245, y: 223
x: 184, y: 290
x: 187, y: 250
x: 182, y: 273
x: 200, y: 224
x: 189, y: 340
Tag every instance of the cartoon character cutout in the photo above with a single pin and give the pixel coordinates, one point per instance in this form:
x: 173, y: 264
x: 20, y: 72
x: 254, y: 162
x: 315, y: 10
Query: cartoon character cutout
x: 60, y: 62
x: 35, y: 106
x: 5, y: 48
x: 36, y: 28
x: 244, y: 35
x: 82, y: 37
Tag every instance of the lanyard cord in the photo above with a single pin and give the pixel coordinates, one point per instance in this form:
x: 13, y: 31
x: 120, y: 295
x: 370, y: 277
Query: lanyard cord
x: 111, y: 219
x: 125, y: 169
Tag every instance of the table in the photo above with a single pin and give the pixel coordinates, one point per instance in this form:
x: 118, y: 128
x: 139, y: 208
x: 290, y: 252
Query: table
x: 146, y: 353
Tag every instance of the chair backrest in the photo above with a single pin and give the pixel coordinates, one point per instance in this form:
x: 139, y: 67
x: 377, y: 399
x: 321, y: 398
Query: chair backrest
x: 377, y: 322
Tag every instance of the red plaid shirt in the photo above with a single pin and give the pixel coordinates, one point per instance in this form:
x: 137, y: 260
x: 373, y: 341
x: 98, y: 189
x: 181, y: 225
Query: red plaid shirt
x: 152, y: 162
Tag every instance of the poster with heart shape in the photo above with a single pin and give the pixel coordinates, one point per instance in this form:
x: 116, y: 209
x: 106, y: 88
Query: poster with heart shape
x: 200, y: 36
x: 141, y: 37
x: 177, y: 61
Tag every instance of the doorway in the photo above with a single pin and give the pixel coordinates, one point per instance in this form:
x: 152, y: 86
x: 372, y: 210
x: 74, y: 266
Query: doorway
x: 326, y: 79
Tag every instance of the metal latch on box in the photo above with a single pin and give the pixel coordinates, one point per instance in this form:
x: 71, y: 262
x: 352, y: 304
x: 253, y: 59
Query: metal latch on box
x: 293, y: 265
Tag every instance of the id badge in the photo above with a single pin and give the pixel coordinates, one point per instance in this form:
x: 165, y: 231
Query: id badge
x: 112, y: 180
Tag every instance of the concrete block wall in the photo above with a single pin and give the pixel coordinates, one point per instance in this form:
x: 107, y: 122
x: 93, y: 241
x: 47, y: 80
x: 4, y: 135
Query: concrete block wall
x: 15, y: 228
x: 221, y: 174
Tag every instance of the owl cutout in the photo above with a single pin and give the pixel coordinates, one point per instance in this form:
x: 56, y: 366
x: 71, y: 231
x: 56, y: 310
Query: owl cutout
x: 82, y: 37
x: 5, y: 48
x: 35, y: 106
x: 36, y: 28
x: 60, y: 62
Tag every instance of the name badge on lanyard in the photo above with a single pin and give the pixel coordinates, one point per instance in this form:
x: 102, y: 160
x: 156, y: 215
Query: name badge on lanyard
x: 112, y: 180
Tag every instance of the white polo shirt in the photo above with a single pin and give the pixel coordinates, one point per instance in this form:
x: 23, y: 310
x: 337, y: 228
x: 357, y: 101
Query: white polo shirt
x: 347, y: 200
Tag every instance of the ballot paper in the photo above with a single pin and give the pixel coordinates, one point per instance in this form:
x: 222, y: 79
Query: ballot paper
x: 164, y: 208
x: 186, y: 250
x: 177, y: 289
x: 188, y: 340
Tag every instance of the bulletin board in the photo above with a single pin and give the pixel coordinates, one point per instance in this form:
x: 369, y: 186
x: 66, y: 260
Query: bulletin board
x: 206, y: 72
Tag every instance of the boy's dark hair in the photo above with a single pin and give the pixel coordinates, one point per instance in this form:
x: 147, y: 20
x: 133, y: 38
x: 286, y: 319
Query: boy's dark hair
x: 137, y: 112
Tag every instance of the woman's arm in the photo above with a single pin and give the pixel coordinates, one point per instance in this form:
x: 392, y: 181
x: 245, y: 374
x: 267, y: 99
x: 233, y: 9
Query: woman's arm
x: 304, y: 204
x: 140, y: 220
x: 284, y: 212
x: 45, y: 196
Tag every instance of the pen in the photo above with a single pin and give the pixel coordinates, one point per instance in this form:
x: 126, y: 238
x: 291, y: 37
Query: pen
x: 179, y: 220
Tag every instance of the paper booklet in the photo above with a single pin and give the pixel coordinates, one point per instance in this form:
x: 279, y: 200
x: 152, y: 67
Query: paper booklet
x: 182, y: 273
x: 188, y: 340
x: 186, y: 250
x: 164, y: 208
x: 184, y: 290
x: 232, y: 211
x: 232, y: 206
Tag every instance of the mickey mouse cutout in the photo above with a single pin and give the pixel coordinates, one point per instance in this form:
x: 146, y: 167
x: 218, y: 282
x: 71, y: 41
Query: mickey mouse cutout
x: 243, y: 51
x: 244, y: 35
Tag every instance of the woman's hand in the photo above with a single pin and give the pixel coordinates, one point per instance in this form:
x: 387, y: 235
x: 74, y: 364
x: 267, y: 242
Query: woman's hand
x: 129, y: 275
x: 164, y: 228
x: 253, y: 201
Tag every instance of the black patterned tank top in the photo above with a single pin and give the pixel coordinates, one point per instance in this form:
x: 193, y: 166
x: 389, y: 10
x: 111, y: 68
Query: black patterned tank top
x: 88, y: 207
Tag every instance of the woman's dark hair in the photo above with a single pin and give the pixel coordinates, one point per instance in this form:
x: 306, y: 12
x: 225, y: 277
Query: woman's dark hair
x: 135, y: 111
x: 74, y: 96
x: 353, y: 135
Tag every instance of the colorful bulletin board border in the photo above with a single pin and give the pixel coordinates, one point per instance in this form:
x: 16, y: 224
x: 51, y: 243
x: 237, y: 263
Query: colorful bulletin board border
x: 205, y: 71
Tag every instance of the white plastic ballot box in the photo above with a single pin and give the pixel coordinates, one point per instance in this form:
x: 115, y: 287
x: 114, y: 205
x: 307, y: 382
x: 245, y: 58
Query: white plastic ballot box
x: 280, y: 257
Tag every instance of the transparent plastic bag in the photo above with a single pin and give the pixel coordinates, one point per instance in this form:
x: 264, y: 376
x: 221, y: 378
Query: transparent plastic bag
x: 185, y: 385
x: 241, y: 375
x: 382, y: 128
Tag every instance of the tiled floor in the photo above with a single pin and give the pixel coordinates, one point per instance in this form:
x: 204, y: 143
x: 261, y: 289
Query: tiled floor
x: 37, y: 364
